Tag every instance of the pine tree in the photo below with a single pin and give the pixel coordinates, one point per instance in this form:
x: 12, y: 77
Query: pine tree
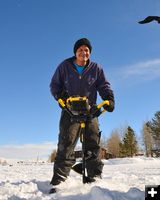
x: 128, y: 147
x: 122, y: 151
x: 155, y: 126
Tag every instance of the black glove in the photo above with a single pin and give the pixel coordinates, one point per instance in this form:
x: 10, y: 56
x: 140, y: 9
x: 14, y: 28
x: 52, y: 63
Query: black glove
x: 109, y: 107
x: 63, y: 95
x: 61, y: 105
x: 94, y: 111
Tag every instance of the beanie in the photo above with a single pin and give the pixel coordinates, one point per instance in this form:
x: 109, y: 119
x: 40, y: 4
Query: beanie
x: 80, y: 42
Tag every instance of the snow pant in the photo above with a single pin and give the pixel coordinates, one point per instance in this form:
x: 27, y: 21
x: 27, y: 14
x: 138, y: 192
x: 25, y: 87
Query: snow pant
x: 68, y: 138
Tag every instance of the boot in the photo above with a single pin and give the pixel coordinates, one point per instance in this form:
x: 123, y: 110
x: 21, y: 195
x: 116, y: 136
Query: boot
x: 56, y: 180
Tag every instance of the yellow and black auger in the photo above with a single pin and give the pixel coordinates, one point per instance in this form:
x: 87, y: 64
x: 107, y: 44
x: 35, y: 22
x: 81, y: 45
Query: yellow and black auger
x: 80, y: 111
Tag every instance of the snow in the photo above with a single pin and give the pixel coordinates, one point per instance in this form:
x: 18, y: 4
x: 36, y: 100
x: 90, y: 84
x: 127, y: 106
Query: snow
x: 123, y: 179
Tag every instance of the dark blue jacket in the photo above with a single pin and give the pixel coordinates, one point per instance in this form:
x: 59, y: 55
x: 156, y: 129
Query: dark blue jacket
x: 67, y: 79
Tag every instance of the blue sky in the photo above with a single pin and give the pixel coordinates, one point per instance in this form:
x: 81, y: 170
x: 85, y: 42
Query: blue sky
x: 36, y: 35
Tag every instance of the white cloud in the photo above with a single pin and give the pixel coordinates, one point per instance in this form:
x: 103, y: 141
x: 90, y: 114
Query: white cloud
x: 147, y: 70
x: 27, y: 151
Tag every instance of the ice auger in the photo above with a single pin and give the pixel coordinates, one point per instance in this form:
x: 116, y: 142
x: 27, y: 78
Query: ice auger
x: 80, y: 111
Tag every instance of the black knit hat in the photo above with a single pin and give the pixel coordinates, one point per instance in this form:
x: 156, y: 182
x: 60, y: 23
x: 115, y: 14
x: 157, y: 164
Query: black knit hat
x: 80, y: 42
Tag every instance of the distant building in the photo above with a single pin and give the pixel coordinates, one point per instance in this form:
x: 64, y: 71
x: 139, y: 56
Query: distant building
x: 140, y: 153
x: 105, y: 154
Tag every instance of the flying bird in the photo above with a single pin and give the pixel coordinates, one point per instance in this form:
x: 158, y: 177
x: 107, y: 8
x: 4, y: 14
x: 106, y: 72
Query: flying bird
x: 150, y: 19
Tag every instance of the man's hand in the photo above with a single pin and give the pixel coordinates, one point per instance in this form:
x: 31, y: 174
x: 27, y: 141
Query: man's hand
x: 63, y: 96
x: 109, y: 107
x: 61, y: 103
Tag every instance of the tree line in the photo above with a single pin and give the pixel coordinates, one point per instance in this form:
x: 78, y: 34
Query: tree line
x: 124, y: 143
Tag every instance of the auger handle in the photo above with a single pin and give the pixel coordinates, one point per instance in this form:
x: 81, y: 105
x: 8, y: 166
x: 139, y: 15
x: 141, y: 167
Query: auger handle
x: 99, y: 106
x: 61, y: 102
x: 63, y: 105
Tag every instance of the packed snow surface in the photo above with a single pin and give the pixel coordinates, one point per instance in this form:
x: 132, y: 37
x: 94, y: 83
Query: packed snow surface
x: 123, y: 179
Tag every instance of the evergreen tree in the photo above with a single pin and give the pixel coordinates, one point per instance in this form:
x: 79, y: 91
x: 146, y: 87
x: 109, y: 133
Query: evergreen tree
x: 155, y: 126
x: 122, y: 150
x: 128, y: 147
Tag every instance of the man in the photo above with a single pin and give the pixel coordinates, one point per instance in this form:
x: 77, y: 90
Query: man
x: 78, y: 76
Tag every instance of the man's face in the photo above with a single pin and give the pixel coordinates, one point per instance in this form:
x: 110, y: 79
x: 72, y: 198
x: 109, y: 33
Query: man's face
x: 83, y: 53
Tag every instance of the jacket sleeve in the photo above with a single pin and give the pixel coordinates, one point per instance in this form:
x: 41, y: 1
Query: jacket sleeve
x: 56, y: 85
x: 104, y: 88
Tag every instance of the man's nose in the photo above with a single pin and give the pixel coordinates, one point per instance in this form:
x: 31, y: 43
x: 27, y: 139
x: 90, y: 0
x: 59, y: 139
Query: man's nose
x: 84, y: 52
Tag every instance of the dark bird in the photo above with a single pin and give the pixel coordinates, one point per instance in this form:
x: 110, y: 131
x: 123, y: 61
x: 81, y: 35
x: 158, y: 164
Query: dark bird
x: 150, y: 19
